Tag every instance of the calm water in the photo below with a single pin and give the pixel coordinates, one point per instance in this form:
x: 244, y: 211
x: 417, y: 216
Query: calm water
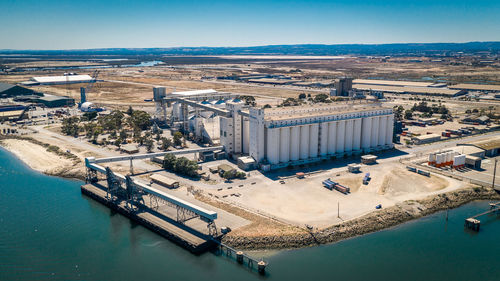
x: 48, y: 231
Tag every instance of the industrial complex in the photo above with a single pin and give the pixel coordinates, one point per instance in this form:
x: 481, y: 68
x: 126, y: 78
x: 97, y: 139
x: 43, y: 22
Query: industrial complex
x: 227, y: 154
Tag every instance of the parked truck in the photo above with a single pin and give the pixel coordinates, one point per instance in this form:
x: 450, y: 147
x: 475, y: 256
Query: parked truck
x: 331, y: 185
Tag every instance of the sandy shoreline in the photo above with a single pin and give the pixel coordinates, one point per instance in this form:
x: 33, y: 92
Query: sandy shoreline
x: 39, y: 158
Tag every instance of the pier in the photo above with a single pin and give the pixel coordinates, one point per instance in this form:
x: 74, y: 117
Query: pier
x: 474, y: 224
x: 184, y: 223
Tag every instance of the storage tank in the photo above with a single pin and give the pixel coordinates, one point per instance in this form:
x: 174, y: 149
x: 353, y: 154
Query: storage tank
x: 432, y: 159
x: 356, y: 142
x: 285, y: 144
x: 313, y: 140
x: 382, y: 130
x: 390, y: 129
x: 456, y: 161
x: 304, y: 141
x: 449, y: 158
x: 375, y: 128
x: 366, y: 132
x: 332, y: 137
x: 340, y: 136
x: 177, y: 111
x: 273, y: 141
x: 294, y: 143
x: 246, y: 136
x: 323, y: 144
x: 349, y: 133
x: 439, y: 159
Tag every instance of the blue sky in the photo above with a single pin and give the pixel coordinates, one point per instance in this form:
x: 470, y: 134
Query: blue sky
x: 77, y: 24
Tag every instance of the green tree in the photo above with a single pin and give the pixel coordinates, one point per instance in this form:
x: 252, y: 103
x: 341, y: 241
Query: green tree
x: 177, y: 138
x: 123, y: 135
x: 266, y: 106
x: 89, y: 116
x: 149, y: 144
x: 141, y: 119
x: 408, y: 114
x: 70, y: 126
x: 169, y: 162
x: 302, y: 96
x: 165, y: 143
x: 321, y: 98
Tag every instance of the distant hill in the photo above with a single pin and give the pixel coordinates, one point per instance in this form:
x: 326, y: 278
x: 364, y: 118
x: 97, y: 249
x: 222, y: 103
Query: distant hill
x: 305, y: 49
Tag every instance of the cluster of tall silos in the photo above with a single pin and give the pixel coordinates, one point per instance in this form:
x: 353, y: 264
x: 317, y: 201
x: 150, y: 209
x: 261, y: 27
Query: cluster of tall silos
x: 300, y: 142
x: 446, y: 159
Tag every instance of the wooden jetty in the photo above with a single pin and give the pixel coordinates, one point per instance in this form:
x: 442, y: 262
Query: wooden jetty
x: 474, y: 224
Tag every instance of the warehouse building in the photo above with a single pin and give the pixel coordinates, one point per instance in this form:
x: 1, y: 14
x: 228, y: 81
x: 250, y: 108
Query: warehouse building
x: 299, y: 135
x: 65, y: 79
x: 428, y: 91
x: 9, y: 91
x: 56, y: 101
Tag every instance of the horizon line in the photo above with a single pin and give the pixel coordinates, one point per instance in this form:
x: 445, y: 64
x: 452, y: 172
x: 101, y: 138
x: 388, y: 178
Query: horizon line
x: 254, y: 46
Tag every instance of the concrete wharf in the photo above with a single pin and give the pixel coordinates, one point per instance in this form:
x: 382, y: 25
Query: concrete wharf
x: 194, y: 241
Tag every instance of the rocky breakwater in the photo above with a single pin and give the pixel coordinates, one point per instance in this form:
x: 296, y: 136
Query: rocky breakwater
x: 375, y: 221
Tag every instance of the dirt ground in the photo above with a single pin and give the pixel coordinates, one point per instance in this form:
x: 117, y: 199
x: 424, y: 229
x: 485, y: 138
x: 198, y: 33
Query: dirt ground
x: 306, y: 201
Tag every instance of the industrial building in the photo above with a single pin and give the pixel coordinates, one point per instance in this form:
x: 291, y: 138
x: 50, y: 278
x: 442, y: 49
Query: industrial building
x: 477, y: 87
x: 56, y: 101
x: 282, y: 136
x: 65, y: 79
x: 299, y: 135
x: 343, y: 86
x: 9, y: 91
x: 429, y: 91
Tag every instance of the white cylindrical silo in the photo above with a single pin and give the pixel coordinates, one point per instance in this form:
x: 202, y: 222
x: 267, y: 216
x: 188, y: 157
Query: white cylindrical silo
x: 356, y: 142
x: 375, y: 128
x: 294, y: 143
x: 313, y: 140
x: 366, y: 132
x: 390, y: 129
x: 432, y: 158
x: 304, y: 141
x: 273, y: 141
x: 340, y: 136
x: 246, y: 136
x: 332, y: 137
x: 323, y: 144
x: 285, y: 144
x: 349, y: 132
x: 382, y: 130
x: 439, y: 159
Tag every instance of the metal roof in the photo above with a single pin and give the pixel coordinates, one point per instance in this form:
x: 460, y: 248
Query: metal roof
x: 194, y: 93
x: 5, y: 87
x: 488, y: 144
x: 417, y: 90
x: 392, y: 83
x: 62, y: 79
x: 477, y: 87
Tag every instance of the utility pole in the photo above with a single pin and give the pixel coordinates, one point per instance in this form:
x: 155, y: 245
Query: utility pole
x: 338, y: 210
x: 494, y: 174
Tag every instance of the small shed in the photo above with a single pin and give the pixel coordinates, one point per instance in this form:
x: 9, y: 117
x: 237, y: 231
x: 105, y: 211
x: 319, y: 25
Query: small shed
x: 164, y: 181
x: 354, y: 168
x: 426, y: 138
x: 223, y: 168
x: 473, y: 162
x: 369, y: 159
x: 129, y: 148
x: 246, y: 163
